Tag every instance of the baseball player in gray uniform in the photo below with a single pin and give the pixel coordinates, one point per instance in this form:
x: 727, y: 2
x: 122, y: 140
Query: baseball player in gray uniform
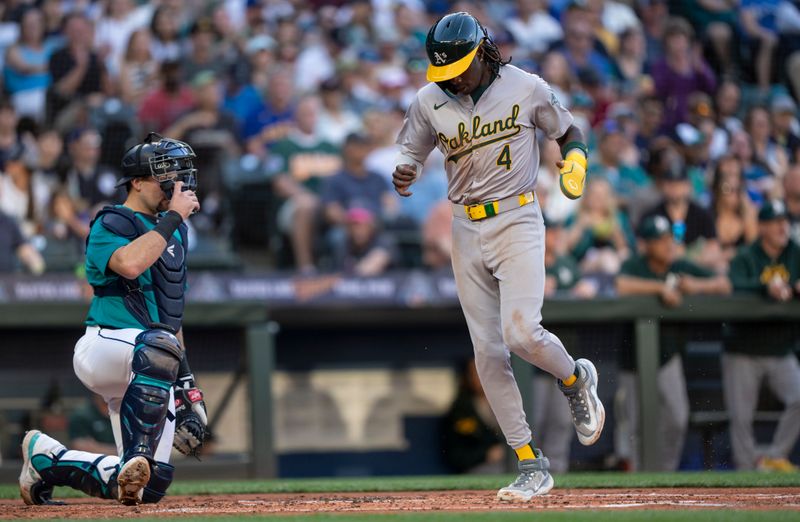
x: 483, y: 115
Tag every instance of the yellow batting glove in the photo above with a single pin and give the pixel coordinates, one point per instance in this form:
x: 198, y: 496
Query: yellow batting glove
x: 573, y: 174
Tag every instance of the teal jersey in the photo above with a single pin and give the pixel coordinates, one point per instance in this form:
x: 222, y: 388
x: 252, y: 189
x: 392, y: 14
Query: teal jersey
x: 110, y: 311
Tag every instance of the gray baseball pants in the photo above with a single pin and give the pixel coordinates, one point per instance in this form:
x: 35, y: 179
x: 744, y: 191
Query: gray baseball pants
x: 741, y: 380
x: 498, y: 264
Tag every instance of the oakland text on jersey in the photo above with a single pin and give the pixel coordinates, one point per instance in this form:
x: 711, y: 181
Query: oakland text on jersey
x: 480, y: 130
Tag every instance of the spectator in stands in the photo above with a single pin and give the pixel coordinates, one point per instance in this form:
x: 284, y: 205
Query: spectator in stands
x: 759, y: 25
x: 629, y: 64
x: 212, y: 133
x: 77, y: 72
x: 701, y: 117
x: 165, y: 46
x: 580, y: 52
x: 24, y: 195
x: 533, y: 27
x: 759, y: 182
x: 90, y: 428
x: 616, y: 160
x: 203, y: 55
x: 783, y: 111
x: 336, y: 121
x: 734, y: 214
x: 680, y: 72
x: 366, y: 250
x: 246, y: 80
x: 164, y: 105
x: 306, y: 159
x: 717, y: 23
x: 650, y: 117
x: 561, y: 270
x: 53, y: 20
x: 769, y: 267
x: 355, y: 186
x: 26, y: 74
x: 727, y: 102
x: 692, y: 226
x: 15, y: 250
x: 114, y: 29
x: 437, y: 239
x: 693, y: 146
x: 471, y: 440
x: 765, y: 151
x: 272, y: 120
x: 597, y: 237
x: 557, y: 73
x: 791, y: 194
x: 50, y: 160
x: 660, y: 271
x: 381, y: 127
x: 138, y: 73
x: 87, y: 183
x: 10, y: 140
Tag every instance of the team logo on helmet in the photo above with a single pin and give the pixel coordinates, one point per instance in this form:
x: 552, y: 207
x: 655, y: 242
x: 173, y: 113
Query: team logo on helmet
x: 441, y: 58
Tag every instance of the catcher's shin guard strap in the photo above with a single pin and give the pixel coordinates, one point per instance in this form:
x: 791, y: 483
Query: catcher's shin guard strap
x: 160, y: 479
x: 156, y: 357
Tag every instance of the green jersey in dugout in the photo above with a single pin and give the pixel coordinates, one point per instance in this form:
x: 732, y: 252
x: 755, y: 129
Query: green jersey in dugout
x: 156, y: 296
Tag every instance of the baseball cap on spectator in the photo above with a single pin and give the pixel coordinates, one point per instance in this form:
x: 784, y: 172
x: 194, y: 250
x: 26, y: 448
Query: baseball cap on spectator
x: 202, y: 25
x: 359, y: 215
x: 675, y: 172
x: 654, y: 227
x: 772, y: 210
x: 259, y: 43
x: 783, y: 103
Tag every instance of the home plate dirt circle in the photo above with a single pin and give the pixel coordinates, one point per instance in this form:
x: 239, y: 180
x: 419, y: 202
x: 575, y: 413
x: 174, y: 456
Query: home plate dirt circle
x: 462, y: 501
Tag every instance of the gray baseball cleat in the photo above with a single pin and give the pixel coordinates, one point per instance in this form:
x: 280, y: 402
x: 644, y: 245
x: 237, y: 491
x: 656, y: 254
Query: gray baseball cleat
x: 534, y: 479
x: 132, y: 478
x: 588, y: 413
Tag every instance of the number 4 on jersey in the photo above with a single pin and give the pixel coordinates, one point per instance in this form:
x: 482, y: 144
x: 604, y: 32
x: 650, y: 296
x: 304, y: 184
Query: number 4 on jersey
x: 504, y: 159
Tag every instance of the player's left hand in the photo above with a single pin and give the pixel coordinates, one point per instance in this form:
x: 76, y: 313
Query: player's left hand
x: 191, y: 420
x: 572, y: 177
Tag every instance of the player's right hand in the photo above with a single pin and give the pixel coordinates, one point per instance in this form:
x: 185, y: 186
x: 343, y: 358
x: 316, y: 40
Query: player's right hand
x: 184, y: 202
x: 402, y: 178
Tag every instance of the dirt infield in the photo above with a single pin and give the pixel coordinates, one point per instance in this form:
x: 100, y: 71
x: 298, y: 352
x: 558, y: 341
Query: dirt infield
x: 463, y: 501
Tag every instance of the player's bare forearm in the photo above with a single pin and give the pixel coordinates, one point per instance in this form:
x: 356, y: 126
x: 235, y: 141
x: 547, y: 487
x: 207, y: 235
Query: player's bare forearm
x: 137, y: 256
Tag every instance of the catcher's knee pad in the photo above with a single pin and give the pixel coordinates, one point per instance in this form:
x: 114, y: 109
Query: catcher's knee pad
x: 156, y: 358
x: 160, y: 479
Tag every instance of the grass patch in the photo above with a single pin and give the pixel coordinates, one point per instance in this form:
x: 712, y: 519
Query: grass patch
x: 479, y: 482
x: 578, y: 516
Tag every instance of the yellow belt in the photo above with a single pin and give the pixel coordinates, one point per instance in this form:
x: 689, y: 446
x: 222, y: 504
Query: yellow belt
x: 481, y: 211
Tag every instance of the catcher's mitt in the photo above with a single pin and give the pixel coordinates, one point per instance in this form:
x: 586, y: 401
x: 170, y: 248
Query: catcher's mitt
x: 191, y: 420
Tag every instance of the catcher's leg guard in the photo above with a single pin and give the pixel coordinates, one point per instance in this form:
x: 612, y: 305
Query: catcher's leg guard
x: 160, y: 479
x: 144, y: 407
x: 47, y: 463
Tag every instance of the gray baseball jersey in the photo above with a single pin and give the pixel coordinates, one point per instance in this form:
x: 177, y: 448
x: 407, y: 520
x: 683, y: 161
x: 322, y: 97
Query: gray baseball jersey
x: 491, y: 153
x: 490, y: 146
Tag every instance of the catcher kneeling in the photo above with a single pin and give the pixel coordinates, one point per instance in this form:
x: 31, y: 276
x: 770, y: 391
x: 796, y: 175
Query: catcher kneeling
x: 132, y: 353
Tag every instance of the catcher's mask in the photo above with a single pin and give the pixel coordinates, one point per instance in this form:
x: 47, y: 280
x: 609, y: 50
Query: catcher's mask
x: 166, y: 160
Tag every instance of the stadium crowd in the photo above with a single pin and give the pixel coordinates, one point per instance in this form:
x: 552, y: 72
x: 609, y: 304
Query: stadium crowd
x: 293, y: 108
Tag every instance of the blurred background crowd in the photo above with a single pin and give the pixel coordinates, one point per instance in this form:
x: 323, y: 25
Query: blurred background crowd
x: 293, y: 108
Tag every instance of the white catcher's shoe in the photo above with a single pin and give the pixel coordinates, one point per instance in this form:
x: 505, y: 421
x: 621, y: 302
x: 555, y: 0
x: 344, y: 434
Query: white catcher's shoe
x: 32, y: 488
x: 534, y: 479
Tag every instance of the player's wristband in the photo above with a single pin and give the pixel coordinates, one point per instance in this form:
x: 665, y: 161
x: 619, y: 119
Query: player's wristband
x: 568, y: 147
x: 168, y: 224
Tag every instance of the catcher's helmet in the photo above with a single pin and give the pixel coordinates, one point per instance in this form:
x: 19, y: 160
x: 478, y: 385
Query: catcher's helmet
x: 451, y: 45
x: 164, y: 159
